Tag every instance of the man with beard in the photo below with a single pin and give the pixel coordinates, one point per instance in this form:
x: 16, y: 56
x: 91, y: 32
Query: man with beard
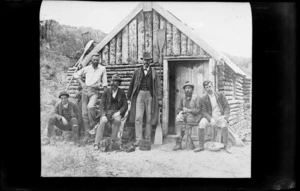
x: 95, y: 77
x: 188, y: 111
x: 215, y: 110
x: 145, y: 94
x: 113, y: 106
x: 66, y: 116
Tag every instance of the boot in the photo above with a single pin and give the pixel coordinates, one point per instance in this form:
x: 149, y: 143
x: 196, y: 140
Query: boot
x: 190, y: 142
x: 75, y: 134
x: 225, y: 140
x: 201, y: 140
x: 178, y: 144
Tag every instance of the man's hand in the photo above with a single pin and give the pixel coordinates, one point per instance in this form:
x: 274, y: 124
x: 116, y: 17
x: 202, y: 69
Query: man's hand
x: 104, y: 119
x: 65, y: 122
x: 116, y: 114
x: 212, y: 121
x: 186, y: 110
x: 160, y: 103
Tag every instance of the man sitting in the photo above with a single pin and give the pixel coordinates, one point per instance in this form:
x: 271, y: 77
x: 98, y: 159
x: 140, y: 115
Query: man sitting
x: 215, y: 110
x: 189, y: 111
x: 66, y: 116
x: 113, y: 106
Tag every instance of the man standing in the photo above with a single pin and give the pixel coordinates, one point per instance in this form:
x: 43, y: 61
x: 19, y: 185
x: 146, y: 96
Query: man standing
x: 189, y: 111
x: 215, y: 110
x: 65, y: 116
x: 95, y: 77
x: 113, y: 106
x: 145, y: 95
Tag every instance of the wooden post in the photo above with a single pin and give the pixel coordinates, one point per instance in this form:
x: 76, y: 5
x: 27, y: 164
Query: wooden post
x: 125, y: 44
x: 119, y: 49
x: 195, y: 46
x: 176, y: 41
x: 141, y: 36
x: 155, y: 43
x: 183, y: 44
x: 112, y: 52
x: 133, y: 41
x: 169, y: 39
x: 211, y: 71
x: 165, y: 109
x: 148, y: 32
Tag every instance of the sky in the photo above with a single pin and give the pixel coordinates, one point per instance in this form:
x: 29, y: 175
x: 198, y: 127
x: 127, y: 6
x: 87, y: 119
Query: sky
x: 227, y: 27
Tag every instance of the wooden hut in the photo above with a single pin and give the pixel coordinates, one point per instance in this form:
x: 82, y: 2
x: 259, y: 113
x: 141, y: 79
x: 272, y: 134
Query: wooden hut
x: 185, y: 57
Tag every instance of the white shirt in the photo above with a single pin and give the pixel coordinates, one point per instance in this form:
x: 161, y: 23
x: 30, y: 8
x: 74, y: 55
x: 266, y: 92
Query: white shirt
x: 66, y: 105
x: 114, y: 93
x: 146, y: 70
x: 215, y: 107
x: 93, y: 76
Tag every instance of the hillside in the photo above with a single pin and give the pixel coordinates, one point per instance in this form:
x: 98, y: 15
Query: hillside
x: 244, y: 63
x: 60, y: 47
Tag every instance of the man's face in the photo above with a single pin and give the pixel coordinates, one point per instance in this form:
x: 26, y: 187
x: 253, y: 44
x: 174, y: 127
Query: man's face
x: 147, y: 63
x: 95, y: 60
x: 188, y: 91
x: 114, y: 84
x: 64, y: 99
x: 209, y: 88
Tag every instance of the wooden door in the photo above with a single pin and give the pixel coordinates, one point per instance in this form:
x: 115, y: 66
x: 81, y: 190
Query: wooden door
x: 194, y: 71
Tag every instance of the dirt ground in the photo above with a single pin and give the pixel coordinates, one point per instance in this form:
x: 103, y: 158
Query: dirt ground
x: 66, y: 159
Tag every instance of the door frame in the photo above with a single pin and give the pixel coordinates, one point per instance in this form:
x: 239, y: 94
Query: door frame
x: 166, y: 60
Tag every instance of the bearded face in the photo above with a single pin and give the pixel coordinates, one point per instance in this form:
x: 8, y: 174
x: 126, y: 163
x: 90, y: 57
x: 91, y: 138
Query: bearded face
x: 188, y: 91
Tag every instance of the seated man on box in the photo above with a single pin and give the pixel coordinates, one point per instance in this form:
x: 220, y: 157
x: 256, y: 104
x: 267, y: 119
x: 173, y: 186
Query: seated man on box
x: 189, y: 111
x: 113, y: 106
x: 65, y: 116
x: 215, y: 110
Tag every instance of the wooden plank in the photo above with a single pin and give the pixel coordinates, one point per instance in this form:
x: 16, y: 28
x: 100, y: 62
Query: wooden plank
x: 114, y: 32
x: 133, y: 41
x: 169, y: 39
x: 195, y: 46
x: 186, y: 30
x: 211, y: 76
x: 165, y: 110
x: 148, y: 32
x: 189, y: 47
x: 176, y: 41
x: 155, y: 42
x: 105, y: 55
x: 183, y: 44
x: 125, y: 44
x: 141, y: 36
x: 163, y: 25
x: 112, y: 52
x: 119, y: 49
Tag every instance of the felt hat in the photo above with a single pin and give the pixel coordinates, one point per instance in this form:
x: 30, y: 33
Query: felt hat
x: 146, y: 56
x: 187, y: 83
x: 95, y: 54
x: 63, y: 93
x: 115, y: 77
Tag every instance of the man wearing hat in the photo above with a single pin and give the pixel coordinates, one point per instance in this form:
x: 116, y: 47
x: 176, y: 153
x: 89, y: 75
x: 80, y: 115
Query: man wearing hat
x: 145, y: 94
x: 113, y: 106
x: 95, y: 78
x: 215, y: 110
x: 65, y: 116
x: 188, y: 111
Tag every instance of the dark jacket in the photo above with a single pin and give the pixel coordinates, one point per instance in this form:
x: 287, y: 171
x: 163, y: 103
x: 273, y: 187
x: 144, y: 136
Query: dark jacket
x: 222, y: 103
x: 195, y: 105
x: 72, y: 107
x: 106, y: 101
x: 156, y: 93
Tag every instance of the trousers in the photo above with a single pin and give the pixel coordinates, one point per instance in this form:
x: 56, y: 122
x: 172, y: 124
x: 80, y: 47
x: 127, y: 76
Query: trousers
x: 143, y: 103
x: 57, y: 121
x: 115, y: 126
x: 89, y: 99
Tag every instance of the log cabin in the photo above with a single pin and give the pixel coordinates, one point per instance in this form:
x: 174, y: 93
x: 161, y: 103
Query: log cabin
x: 185, y: 57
